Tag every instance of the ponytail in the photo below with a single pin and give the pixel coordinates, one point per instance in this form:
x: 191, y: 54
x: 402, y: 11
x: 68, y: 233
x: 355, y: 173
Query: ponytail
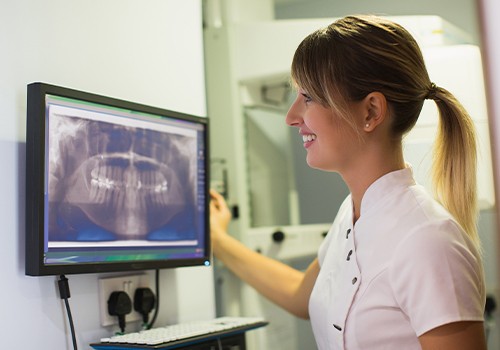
x: 455, y: 161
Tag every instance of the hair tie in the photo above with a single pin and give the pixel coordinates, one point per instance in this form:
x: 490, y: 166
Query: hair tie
x: 431, y: 94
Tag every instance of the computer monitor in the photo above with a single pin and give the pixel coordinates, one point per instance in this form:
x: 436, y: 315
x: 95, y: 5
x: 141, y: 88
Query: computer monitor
x: 113, y: 185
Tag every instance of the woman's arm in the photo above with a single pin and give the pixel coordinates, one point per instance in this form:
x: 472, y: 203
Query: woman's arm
x: 464, y: 335
x: 280, y: 283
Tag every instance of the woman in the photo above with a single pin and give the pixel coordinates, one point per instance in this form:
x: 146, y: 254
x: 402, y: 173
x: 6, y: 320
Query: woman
x: 398, y: 269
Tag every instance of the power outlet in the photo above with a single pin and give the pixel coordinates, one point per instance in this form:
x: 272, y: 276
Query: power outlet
x: 126, y: 284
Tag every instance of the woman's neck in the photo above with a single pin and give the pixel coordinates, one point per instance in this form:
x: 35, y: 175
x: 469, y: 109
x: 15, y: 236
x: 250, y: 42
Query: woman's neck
x: 370, y: 169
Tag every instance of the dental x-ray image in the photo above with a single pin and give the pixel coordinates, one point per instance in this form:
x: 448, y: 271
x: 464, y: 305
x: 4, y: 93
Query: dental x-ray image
x: 112, y: 182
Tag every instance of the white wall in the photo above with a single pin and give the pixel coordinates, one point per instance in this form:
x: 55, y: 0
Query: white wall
x: 149, y: 53
x: 490, y: 31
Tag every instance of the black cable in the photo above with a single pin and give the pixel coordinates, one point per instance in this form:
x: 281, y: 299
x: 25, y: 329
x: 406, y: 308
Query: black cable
x: 64, y: 293
x: 157, y: 291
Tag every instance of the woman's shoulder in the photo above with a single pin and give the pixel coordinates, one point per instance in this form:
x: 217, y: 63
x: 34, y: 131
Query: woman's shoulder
x: 437, y: 276
x: 438, y: 241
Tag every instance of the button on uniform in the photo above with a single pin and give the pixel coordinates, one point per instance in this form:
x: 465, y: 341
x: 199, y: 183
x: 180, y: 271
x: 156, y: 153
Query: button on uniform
x: 338, y: 269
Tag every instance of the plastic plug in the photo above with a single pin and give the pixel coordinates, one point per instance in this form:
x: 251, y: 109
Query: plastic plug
x: 144, y: 302
x: 120, y: 305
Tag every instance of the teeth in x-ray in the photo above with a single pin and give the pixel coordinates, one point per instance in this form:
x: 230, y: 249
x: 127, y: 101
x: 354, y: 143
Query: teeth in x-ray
x: 106, y: 180
x: 126, y: 193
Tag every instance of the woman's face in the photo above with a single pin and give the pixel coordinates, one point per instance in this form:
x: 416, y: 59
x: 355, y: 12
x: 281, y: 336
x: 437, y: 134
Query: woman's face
x: 331, y: 142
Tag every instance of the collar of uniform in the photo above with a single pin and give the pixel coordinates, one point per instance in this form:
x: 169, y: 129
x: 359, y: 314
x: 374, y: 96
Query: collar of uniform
x: 385, y: 185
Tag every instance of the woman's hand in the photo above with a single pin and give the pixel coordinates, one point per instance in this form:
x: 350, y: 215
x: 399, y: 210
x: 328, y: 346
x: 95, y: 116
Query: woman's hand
x: 220, y: 216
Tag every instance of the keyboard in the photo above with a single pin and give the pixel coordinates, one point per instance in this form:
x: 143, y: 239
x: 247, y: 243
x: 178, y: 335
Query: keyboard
x: 161, y: 337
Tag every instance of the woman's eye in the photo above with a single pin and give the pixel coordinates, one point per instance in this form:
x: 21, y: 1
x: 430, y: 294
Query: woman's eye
x: 307, y: 98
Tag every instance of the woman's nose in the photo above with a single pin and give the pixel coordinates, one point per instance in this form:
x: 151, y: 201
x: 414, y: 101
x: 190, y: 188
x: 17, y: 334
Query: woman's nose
x: 294, y: 115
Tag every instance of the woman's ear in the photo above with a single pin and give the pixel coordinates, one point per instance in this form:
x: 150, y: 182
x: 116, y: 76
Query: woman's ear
x: 375, y: 110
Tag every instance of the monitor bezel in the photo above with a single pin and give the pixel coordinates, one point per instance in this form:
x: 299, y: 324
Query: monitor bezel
x: 35, y: 180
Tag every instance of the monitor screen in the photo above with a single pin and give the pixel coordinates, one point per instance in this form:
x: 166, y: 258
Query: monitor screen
x: 112, y: 185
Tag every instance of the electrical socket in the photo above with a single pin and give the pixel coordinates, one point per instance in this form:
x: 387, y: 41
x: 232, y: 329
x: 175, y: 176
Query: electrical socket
x: 127, y: 284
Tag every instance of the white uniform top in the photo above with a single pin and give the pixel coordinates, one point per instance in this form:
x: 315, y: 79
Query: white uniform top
x: 404, y: 268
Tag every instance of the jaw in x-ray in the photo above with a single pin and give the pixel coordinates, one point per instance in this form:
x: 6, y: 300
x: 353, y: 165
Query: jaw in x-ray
x: 110, y: 182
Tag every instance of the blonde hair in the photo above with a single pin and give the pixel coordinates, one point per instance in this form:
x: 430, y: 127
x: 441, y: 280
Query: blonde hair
x: 357, y: 55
